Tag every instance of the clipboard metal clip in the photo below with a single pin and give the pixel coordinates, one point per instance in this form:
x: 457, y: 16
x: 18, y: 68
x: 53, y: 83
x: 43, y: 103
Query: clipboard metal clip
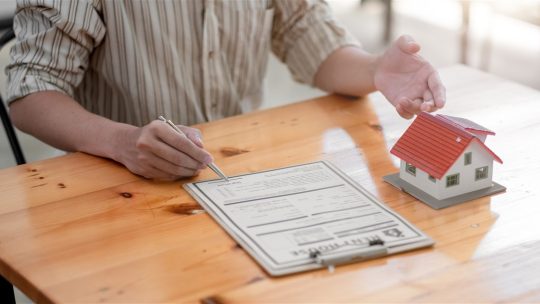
x: 376, y: 248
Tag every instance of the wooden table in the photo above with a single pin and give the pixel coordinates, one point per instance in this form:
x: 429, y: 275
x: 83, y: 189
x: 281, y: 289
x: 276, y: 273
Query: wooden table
x: 83, y: 229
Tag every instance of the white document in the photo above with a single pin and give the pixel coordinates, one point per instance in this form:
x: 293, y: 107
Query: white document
x: 281, y: 216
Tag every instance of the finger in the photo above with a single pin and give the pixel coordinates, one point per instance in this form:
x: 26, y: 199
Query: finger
x: 171, y: 170
x: 156, y: 146
x: 428, y: 105
x: 408, y: 45
x: 184, y: 144
x: 193, y: 134
x: 401, y: 109
x: 171, y: 178
x: 149, y: 172
x: 437, y: 89
x: 175, y: 157
x: 153, y: 166
x: 404, y: 113
x: 411, y: 106
x: 165, y: 179
x: 163, y: 176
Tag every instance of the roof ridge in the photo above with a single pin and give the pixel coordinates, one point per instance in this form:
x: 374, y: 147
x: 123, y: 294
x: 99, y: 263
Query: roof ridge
x: 467, y: 126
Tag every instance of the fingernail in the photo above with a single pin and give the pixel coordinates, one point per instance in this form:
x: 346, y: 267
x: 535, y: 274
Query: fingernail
x: 408, y: 38
x: 208, y: 159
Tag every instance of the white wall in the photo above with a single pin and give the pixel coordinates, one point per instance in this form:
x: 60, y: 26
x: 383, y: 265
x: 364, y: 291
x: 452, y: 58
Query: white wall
x: 480, y: 158
x: 467, y: 183
x: 421, y: 180
x: 7, y: 7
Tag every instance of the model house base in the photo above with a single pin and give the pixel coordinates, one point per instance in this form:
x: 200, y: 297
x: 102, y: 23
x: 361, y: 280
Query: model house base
x: 435, y: 203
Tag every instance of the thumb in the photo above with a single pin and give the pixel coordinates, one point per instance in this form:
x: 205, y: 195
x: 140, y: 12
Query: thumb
x: 407, y: 44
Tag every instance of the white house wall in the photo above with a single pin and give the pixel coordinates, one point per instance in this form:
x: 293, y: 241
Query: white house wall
x: 467, y: 183
x: 421, y: 180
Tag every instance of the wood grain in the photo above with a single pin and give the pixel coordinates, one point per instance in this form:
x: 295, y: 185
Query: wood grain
x: 83, y: 229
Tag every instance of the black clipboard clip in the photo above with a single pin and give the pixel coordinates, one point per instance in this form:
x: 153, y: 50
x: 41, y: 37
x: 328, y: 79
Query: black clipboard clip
x: 374, y: 249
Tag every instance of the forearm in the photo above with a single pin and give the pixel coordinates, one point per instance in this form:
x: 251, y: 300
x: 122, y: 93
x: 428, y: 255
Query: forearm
x: 348, y: 70
x: 60, y: 121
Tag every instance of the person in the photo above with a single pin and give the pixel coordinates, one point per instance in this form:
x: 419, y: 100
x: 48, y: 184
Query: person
x: 93, y: 76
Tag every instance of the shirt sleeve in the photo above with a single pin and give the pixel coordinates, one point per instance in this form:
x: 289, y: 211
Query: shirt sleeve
x: 54, y: 42
x: 304, y: 34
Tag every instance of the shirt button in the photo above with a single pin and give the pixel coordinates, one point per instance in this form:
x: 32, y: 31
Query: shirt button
x: 214, y: 106
x: 211, y: 54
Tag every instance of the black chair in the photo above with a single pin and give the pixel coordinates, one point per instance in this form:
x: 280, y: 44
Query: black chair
x: 6, y: 289
x: 8, y: 126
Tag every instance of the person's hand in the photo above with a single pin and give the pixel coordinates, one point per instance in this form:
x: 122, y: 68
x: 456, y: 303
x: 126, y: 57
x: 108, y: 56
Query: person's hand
x: 407, y: 80
x: 157, y: 151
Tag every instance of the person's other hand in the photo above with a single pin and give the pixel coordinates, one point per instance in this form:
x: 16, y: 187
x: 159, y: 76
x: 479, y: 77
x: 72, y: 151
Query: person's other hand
x: 407, y: 80
x: 157, y: 151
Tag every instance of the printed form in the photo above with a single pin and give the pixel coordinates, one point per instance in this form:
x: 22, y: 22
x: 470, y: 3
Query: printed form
x: 281, y: 216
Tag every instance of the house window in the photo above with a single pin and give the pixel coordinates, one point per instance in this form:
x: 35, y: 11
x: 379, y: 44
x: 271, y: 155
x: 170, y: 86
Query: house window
x: 481, y: 173
x: 452, y: 180
x: 410, y: 168
x: 468, y: 158
x: 431, y: 178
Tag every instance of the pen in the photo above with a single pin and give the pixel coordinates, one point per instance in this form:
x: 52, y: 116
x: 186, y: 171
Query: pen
x: 349, y: 257
x: 375, y: 248
x: 211, y: 165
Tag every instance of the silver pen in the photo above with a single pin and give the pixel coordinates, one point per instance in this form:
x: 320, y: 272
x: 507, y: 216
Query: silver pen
x: 211, y: 165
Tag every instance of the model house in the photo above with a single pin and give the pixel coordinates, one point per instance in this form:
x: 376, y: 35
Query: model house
x: 445, y: 156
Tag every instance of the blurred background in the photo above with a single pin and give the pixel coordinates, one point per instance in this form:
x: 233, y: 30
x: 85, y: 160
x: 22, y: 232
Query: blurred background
x: 501, y: 37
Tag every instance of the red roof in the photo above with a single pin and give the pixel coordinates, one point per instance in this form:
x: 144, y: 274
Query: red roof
x: 433, y: 143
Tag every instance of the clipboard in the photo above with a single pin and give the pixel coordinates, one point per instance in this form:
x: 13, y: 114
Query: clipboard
x: 305, y: 217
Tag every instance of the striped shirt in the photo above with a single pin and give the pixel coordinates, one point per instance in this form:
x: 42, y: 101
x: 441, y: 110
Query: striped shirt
x: 191, y: 60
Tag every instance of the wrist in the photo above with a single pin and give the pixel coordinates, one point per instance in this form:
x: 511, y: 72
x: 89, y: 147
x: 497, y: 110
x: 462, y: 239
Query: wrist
x: 120, y: 140
x: 105, y: 138
x: 374, y: 69
x: 363, y: 68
